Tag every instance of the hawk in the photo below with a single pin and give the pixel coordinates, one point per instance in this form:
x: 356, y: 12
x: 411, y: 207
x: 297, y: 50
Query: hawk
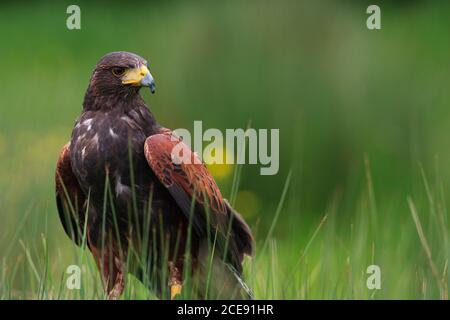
x: 120, y: 192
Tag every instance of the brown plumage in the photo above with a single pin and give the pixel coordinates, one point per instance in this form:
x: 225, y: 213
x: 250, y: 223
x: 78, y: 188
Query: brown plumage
x: 118, y: 187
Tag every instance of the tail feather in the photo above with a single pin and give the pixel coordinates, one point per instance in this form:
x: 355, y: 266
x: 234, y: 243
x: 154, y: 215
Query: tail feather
x: 246, y: 292
x: 225, y: 280
x: 241, y: 232
x: 222, y: 279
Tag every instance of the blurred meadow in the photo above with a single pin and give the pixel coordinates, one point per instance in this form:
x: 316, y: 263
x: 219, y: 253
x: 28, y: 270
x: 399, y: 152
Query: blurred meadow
x: 364, y: 119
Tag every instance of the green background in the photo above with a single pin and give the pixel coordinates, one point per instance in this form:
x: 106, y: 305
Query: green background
x: 363, y: 116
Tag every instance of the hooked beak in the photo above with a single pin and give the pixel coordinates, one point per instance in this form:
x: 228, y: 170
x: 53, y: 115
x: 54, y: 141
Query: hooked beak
x: 139, y: 76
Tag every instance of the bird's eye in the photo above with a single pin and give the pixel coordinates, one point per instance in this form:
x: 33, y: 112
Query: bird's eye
x: 118, y: 72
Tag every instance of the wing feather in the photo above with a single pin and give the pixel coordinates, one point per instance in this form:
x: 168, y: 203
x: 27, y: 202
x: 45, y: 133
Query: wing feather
x: 184, y: 179
x: 196, y: 192
x: 70, y: 199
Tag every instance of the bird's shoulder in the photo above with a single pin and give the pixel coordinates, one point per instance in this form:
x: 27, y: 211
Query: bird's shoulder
x: 181, y: 170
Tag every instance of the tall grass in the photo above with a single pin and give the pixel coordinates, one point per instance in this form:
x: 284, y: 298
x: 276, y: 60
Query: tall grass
x: 329, y: 262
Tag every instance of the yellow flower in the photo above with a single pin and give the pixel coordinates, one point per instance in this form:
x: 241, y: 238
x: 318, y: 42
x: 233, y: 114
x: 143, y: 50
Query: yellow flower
x: 219, y: 171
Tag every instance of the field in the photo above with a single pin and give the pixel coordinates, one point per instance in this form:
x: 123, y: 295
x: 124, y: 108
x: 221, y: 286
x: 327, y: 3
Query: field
x: 363, y: 116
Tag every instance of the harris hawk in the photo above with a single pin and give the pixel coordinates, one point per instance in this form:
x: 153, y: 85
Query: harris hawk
x: 120, y: 192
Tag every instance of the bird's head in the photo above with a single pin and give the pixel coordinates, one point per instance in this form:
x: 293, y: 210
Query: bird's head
x: 121, y: 73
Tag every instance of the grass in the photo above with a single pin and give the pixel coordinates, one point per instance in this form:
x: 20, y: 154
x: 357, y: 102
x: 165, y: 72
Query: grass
x: 330, y: 264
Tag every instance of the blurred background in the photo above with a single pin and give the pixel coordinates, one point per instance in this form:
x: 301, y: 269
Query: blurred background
x: 363, y: 115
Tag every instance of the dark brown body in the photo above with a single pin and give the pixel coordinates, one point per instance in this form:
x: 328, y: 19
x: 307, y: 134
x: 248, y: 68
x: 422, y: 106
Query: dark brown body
x: 141, y: 213
x: 101, y: 148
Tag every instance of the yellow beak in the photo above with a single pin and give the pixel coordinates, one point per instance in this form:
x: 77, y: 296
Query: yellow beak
x: 139, y: 76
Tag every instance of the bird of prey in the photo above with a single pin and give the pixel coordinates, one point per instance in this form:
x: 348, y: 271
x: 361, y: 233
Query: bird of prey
x: 120, y: 192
